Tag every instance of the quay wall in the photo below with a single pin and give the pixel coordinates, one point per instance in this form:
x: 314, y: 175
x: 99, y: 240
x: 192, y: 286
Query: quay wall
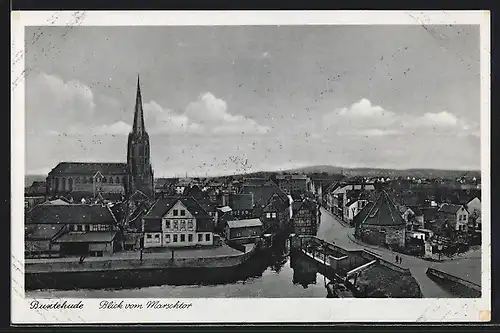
x: 125, y: 273
x: 454, y: 284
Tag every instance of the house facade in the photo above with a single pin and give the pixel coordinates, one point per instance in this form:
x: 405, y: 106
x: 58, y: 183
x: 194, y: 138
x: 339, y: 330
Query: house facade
x: 353, y: 208
x: 275, y: 214
x: 177, y: 222
x: 413, y: 217
x: 306, y: 217
x: 456, y: 217
x: 294, y: 183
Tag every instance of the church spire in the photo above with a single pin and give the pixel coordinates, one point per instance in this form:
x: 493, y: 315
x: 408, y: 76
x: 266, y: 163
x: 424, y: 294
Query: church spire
x: 138, y: 127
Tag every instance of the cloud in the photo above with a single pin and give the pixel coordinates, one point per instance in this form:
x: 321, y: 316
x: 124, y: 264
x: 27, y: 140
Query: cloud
x: 440, y: 119
x: 51, y: 97
x: 365, y: 119
x: 160, y: 120
x: 361, y: 118
x: 212, y: 113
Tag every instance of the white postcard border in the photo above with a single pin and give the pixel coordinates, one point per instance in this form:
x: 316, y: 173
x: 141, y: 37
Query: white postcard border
x: 245, y: 310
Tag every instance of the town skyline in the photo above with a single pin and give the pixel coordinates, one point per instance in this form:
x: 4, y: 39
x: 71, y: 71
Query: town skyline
x: 216, y: 102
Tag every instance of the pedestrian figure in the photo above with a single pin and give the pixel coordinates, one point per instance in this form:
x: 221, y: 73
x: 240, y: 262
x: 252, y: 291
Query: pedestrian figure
x: 397, y: 259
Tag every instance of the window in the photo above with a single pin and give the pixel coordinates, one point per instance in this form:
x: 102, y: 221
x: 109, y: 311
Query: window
x: 104, y: 180
x: 238, y: 234
x: 207, y: 237
x: 176, y: 212
x: 183, y: 225
x: 175, y: 238
x: 190, y: 224
x: 268, y: 215
x: 167, y: 238
x: 111, y: 180
x: 80, y: 227
x: 176, y: 225
x: 183, y: 212
x: 148, y: 236
x: 167, y: 224
x: 200, y: 237
x: 190, y: 238
x: 86, y: 227
x: 157, y: 236
x: 117, y: 180
x: 183, y: 238
x: 77, y: 180
x: 274, y: 215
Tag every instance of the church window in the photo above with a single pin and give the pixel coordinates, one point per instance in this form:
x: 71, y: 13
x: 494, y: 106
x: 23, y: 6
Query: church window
x: 104, y: 180
x: 77, y: 180
x: 70, y: 183
x: 111, y: 180
x: 117, y: 180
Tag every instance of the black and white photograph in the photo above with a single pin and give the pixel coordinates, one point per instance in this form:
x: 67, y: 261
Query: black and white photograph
x: 168, y: 162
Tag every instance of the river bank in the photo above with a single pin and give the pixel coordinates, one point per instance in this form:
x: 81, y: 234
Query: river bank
x: 123, y: 271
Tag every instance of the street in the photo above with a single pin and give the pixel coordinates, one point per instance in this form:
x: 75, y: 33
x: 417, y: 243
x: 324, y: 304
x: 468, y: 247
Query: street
x: 468, y: 268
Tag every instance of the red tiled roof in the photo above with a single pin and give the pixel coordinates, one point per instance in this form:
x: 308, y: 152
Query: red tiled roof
x: 89, y: 168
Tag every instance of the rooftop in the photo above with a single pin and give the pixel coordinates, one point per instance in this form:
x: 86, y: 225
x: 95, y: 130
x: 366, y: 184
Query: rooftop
x: 89, y: 168
x: 70, y: 214
x: 87, y: 237
x: 244, y: 223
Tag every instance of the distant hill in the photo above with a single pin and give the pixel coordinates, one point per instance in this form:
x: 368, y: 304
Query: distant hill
x: 29, y: 179
x: 374, y: 172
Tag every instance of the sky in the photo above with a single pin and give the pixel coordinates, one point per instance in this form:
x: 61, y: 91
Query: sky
x: 226, y: 99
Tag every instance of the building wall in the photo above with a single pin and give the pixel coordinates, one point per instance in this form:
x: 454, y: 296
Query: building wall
x: 244, y: 232
x: 305, y: 222
x: 381, y: 235
x: 86, y: 183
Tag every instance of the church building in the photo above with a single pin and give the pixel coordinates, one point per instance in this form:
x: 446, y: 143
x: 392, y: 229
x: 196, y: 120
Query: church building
x: 92, y: 179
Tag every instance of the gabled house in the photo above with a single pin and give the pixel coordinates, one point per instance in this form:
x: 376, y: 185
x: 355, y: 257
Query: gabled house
x: 275, y: 214
x: 177, y: 222
x: 84, y: 230
x: 306, y: 217
x: 380, y: 223
x: 456, y: 217
x: 413, y: 217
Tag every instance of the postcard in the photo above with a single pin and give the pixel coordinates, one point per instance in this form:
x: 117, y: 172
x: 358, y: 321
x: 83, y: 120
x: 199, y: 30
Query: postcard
x: 250, y: 167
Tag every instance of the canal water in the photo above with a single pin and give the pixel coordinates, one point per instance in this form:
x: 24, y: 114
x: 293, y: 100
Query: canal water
x: 270, y: 275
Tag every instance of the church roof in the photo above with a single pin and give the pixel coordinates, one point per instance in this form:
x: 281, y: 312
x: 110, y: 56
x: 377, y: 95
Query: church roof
x: 381, y: 212
x: 89, y: 168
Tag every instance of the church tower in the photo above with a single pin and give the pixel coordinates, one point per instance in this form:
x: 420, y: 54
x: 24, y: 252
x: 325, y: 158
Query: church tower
x: 138, y: 153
